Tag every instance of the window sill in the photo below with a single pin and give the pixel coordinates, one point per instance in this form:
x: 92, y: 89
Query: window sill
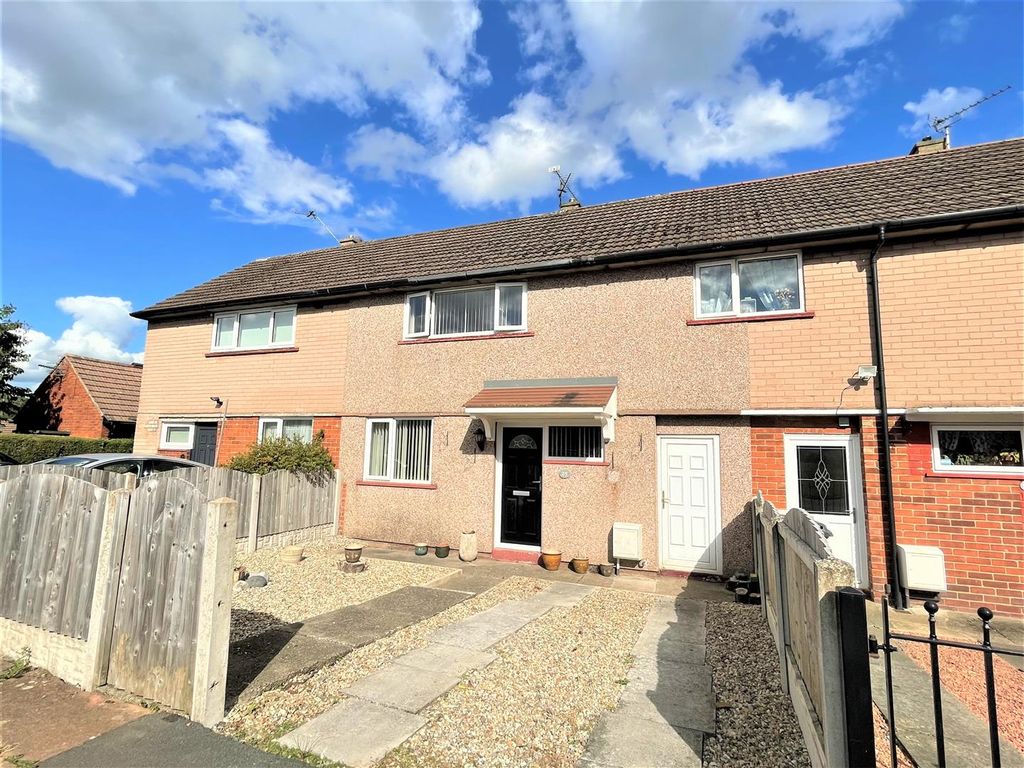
x: 578, y: 463
x: 750, y: 318
x: 1014, y: 476
x: 387, y: 484
x: 476, y: 337
x: 260, y: 351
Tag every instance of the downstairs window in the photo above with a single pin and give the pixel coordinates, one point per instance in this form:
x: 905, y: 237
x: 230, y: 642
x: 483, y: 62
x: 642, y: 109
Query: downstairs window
x: 977, y: 448
x: 398, y: 450
x: 575, y: 443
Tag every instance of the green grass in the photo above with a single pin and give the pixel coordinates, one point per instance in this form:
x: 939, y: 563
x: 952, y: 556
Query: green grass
x: 269, y: 744
x: 17, y: 667
x: 19, y: 761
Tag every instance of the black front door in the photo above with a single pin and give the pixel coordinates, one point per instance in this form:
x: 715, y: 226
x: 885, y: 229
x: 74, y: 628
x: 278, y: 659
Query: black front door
x: 520, y: 485
x: 204, y: 447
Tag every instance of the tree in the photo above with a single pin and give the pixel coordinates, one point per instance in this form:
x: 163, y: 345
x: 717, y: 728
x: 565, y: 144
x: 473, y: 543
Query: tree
x: 12, y: 355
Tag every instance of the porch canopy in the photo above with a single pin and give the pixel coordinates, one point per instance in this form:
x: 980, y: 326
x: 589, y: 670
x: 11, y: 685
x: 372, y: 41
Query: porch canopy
x: 581, y: 400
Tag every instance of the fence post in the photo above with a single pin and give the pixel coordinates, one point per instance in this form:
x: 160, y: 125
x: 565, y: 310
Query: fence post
x: 337, y: 502
x: 214, y: 610
x: 254, y: 513
x: 108, y: 576
x: 853, y: 644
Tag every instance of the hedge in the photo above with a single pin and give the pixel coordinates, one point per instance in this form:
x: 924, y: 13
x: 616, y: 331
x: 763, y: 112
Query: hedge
x: 309, y: 459
x: 29, y: 448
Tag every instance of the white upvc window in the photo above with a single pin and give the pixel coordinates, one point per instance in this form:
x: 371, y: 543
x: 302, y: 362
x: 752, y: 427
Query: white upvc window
x: 177, y: 435
x: 761, y: 285
x: 398, y: 450
x: 575, y: 443
x: 987, y: 448
x: 263, y: 328
x: 475, y: 311
x: 298, y: 429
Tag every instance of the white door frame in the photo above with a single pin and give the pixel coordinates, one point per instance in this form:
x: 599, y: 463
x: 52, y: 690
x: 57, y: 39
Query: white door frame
x: 716, y: 491
x: 855, y: 483
x: 499, y: 440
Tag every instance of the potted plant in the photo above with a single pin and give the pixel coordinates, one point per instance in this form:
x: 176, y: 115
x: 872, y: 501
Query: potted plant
x: 421, y: 549
x: 551, y: 559
x: 353, y: 552
x: 442, y: 550
x: 580, y: 563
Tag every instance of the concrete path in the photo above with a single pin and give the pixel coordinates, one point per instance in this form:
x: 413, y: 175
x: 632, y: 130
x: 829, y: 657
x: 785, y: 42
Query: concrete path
x: 383, y: 709
x: 166, y: 741
x: 668, y: 704
x: 269, y: 659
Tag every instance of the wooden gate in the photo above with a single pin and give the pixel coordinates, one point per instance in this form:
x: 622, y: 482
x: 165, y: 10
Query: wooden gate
x: 153, y: 639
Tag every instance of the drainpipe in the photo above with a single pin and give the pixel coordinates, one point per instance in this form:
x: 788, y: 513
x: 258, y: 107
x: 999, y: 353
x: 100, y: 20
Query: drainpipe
x: 899, y: 601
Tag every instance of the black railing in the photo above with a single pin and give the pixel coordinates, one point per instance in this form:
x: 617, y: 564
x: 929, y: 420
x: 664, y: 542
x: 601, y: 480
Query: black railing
x: 934, y: 643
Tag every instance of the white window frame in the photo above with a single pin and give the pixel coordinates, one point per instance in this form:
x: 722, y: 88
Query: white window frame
x: 971, y: 469
x: 735, y: 264
x: 548, y: 456
x: 279, y: 421
x: 167, y: 446
x: 389, y: 476
x: 497, y: 328
x: 250, y: 311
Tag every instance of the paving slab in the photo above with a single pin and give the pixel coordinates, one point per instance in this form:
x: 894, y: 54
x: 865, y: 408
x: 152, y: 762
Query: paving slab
x: 623, y: 741
x: 406, y: 688
x: 166, y: 741
x: 679, y: 611
x: 446, y: 658
x: 354, y: 732
x: 672, y: 642
x: 264, y: 661
x: 681, y: 695
x: 481, y: 631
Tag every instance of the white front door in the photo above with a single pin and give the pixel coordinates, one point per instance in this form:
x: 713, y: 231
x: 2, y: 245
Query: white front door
x: 690, y: 524
x: 823, y: 479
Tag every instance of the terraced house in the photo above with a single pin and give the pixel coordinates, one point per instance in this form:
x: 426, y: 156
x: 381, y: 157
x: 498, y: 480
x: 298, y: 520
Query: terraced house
x: 654, y: 362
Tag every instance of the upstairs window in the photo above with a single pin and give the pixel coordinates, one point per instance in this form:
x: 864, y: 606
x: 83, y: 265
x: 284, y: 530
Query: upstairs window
x: 957, y: 448
x: 757, y: 286
x: 575, y: 443
x: 398, y: 450
x: 254, y: 329
x: 293, y: 429
x: 466, y: 311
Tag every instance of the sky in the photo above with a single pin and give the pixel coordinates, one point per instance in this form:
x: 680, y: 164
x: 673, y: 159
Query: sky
x: 149, y: 146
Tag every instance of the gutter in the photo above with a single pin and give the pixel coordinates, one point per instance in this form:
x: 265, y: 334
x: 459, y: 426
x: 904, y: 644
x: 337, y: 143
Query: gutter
x: 889, y: 507
x: 621, y: 258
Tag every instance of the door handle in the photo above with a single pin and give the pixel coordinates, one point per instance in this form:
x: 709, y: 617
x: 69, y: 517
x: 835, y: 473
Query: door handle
x: 664, y: 499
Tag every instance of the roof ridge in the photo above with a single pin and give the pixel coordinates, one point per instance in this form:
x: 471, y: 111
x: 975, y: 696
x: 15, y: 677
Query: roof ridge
x: 101, y: 360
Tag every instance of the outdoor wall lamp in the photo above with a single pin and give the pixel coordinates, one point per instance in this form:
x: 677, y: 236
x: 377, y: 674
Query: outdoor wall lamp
x: 217, y: 402
x: 481, y: 438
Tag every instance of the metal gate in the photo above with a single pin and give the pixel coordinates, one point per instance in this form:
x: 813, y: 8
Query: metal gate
x: 934, y: 643
x: 157, y: 577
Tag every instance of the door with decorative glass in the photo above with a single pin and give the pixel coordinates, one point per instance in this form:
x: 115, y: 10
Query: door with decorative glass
x: 823, y: 478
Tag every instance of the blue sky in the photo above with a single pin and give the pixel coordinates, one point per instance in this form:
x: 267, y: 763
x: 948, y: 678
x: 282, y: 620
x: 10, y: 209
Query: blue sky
x: 150, y: 146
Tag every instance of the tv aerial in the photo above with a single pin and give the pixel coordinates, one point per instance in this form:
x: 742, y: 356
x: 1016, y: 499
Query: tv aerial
x: 945, y: 123
x: 564, y: 189
x: 311, y: 214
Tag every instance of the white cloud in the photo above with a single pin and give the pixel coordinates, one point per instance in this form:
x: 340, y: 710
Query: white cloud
x: 130, y: 93
x: 935, y: 103
x: 840, y: 27
x: 102, y: 327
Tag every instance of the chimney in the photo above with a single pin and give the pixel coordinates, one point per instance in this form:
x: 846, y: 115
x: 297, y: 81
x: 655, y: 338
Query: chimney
x: 928, y: 145
x: 349, y: 241
x: 569, y: 205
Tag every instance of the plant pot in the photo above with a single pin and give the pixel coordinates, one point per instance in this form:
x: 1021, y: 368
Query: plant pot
x: 551, y: 559
x: 291, y: 555
x: 353, y: 553
x: 442, y: 550
x: 580, y: 564
x: 421, y: 549
x: 467, y: 546
x: 606, y: 569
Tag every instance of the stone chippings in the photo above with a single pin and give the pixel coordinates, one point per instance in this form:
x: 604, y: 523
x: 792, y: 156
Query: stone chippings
x: 756, y: 723
x: 537, y: 703
x: 275, y: 712
x: 296, y: 592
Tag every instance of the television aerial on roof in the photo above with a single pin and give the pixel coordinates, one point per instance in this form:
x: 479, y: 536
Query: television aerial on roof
x: 566, y: 197
x: 311, y: 214
x: 945, y: 123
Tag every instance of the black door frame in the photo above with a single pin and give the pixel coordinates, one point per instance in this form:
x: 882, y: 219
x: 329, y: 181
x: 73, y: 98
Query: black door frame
x: 499, y: 450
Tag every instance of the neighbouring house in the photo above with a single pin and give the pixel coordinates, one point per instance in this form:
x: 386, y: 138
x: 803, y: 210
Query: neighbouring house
x: 84, y: 397
x: 655, y: 362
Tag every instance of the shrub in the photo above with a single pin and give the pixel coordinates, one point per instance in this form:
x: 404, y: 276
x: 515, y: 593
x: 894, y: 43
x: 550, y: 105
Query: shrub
x: 309, y: 459
x: 29, y: 448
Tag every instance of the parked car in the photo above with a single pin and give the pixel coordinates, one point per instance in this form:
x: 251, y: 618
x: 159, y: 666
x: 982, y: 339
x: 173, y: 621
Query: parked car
x: 136, y: 464
x: 6, y: 461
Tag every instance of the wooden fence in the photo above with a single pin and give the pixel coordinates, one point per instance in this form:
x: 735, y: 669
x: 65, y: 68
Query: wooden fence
x: 126, y: 586
x: 799, y: 577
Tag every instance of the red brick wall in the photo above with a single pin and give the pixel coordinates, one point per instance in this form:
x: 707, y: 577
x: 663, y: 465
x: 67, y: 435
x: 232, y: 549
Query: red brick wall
x: 238, y: 433
x: 62, y: 403
x: 977, y: 522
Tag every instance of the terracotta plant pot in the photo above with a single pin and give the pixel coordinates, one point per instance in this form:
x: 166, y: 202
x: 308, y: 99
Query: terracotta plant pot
x: 580, y: 564
x: 442, y: 550
x: 353, y: 553
x: 606, y: 569
x: 551, y: 559
x: 467, y: 546
x: 421, y: 549
x: 291, y: 555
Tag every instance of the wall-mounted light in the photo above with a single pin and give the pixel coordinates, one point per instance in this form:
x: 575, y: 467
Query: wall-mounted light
x: 217, y: 402
x: 481, y: 438
x: 867, y: 372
